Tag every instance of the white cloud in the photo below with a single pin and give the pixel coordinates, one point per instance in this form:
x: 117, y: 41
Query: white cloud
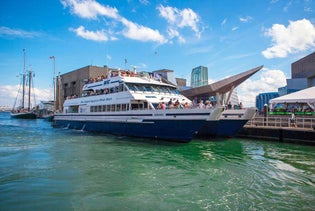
x: 245, y: 19
x: 298, y: 36
x: 108, y: 57
x: 90, y: 9
x: 172, y: 33
x: 144, y: 2
x: 141, y: 33
x: 234, y: 28
x: 269, y: 81
x: 8, y: 94
x: 90, y: 35
x: 224, y: 21
x: 6, y: 31
x: 180, y: 18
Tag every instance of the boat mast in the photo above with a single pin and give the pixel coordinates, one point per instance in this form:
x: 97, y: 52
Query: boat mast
x: 24, y: 78
x: 29, y: 88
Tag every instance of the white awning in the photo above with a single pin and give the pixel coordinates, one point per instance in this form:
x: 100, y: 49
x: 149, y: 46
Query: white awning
x: 303, y: 96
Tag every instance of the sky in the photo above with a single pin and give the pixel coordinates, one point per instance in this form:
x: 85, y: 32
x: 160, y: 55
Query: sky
x: 228, y: 37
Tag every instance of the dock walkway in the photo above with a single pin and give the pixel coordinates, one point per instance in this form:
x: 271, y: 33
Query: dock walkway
x: 279, y: 128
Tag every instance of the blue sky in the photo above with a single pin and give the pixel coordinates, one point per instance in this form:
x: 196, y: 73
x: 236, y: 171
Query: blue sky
x: 226, y: 36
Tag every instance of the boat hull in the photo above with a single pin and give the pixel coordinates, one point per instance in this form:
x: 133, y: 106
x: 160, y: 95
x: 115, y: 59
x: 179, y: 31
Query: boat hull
x: 222, y: 128
x: 23, y: 115
x: 171, y: 130
x: 180, y: 125
x: 229, y: 124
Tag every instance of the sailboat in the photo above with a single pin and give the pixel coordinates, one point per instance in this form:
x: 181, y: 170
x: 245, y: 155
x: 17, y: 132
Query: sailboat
x: 21, y: 112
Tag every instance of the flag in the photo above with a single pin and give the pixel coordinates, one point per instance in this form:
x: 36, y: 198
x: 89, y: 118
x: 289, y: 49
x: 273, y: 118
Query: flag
x: 126, y: 61
x: 52, y: 57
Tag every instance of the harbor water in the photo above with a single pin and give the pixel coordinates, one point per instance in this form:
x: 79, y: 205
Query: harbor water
x: 45, y: 168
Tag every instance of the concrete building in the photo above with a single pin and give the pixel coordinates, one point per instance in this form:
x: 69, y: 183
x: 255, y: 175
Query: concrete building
x: 199, y: 77
x: 305, y: 68
x: 302, y: 74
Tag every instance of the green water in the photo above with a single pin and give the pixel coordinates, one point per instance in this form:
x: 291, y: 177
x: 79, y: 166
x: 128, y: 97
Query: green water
x: 42, y: 168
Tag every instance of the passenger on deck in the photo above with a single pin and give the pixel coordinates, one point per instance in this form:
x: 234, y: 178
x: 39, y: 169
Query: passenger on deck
x: 195, y: 102
x: 187, y: 106
x: 229, y: 106
x: 177, y: 104
x: 200, y: 104
x: 208, y: 104
x: 240, y: 105
x: 170, y: 104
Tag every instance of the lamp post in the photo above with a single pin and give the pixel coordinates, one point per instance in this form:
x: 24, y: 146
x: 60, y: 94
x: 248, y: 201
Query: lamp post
x: 54, y: 81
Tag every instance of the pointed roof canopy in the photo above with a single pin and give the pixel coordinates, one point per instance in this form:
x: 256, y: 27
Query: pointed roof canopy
x: 221, y: 87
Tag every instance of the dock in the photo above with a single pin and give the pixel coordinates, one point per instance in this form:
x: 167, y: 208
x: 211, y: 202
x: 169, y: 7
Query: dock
x: 279, y: 129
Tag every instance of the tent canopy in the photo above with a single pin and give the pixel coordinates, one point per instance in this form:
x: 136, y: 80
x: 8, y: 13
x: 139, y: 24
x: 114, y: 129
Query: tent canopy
x: 303, y: 96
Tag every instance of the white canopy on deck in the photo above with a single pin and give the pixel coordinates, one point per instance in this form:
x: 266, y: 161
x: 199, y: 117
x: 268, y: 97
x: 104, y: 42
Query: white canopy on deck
x: 304, y: 96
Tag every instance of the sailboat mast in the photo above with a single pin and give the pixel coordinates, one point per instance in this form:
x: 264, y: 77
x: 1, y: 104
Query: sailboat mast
x: 24, y: 78
x: 29, y: 88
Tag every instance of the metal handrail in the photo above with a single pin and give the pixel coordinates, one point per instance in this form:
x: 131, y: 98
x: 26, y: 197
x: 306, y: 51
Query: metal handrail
x: 270, y: 121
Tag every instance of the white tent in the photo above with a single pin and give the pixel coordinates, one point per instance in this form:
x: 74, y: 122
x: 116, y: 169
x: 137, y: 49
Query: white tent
x: 306, y: 96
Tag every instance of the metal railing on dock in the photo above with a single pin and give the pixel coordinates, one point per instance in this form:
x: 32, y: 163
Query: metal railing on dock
x: 283, y: 121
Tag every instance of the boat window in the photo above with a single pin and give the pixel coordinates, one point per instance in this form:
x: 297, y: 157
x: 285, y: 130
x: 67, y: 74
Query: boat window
x: 104, y: 108
x: 123, y: 107
x: 141, y: 88
x: 99, y: 109
x: 73, y: 109
x: 121, y: 87
x: 148, y: 88
x: 111, y: 90
x: 132, y: 87
x: 113, y: 107
x: 87, y: 92
x: 118, y: 107
x: 134, y: 106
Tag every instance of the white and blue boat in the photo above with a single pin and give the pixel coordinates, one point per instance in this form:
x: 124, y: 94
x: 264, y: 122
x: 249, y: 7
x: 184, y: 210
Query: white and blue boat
x: 128, y: 104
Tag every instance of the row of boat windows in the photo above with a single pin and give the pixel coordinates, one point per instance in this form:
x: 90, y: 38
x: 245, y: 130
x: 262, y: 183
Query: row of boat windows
x: 151, y: 88
x: 132, y: 87
x: 118, y: 107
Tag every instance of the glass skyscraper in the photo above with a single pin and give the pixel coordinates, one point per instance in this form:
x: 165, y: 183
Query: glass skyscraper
x: 199, y: 76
